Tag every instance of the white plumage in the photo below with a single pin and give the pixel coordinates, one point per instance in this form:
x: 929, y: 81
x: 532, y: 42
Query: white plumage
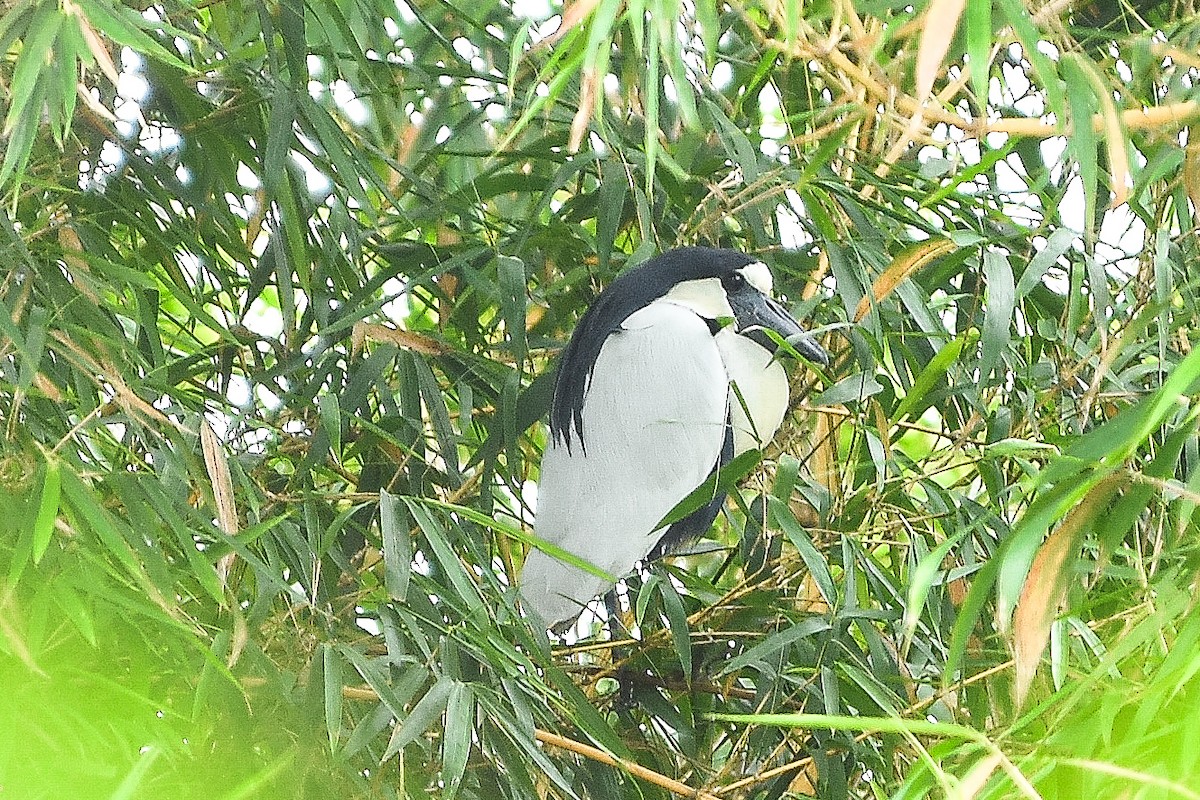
x: 641, y: 426
x: 762, y: 386
x: 669, y: 442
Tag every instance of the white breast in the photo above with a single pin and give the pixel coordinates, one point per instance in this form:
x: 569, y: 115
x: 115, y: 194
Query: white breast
x: 653, y: 425
x: 762, y: 384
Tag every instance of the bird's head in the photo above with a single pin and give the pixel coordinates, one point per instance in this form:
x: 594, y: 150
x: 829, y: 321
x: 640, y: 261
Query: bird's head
x: 728, y: 287
x: 724, y: 287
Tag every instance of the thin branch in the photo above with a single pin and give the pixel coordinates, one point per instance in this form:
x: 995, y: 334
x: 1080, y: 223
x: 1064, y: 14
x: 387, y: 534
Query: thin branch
x: 1142, y: 118
x: 580, y: 749
x: 636, y: 770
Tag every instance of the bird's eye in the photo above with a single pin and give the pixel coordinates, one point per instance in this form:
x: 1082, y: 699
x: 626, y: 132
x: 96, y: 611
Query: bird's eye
x: 734, y: 280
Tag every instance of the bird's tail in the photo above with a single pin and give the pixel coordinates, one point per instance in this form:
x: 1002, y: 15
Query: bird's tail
x: 554, y: 590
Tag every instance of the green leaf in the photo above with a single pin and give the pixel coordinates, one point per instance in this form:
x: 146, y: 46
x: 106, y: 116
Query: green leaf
x: 131, y: 784
x: 782, y: 516
x: 435, y: 402
x: 1083, y: 142
x: 921, y: 581
x: 917, y: 399
x: 397, y: 549
x: 883, y: 697
x: 331, y: 420
x: 723, y: 481
x: 997, y: 318
x: 1068, y: 478
x: 80, y: 499
x: 1056, y: 245
x: 127, y: 27
x: 677, y: 623
x: 850, y: 389
x: 78, y: 612
x: 1018, y: 17
x: 424, y: 714
x: 47, y: 515
x: 395, y: 690
x: 436, y: 535
x: 25, y: 101
x: 332, y: 672
x: 977, y: 25
x: 772, y: 649
x: 456, y: 736
x: 30, y: 92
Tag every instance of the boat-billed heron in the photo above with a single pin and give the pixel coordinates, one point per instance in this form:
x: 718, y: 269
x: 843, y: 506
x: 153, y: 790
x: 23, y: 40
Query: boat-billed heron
x: 669, y: 375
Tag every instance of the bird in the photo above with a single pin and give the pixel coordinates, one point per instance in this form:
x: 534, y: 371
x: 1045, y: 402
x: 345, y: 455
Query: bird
x: 668, y: 376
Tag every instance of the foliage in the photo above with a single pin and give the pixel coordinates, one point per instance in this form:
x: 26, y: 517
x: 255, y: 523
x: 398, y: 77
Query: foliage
x: 285, y: 286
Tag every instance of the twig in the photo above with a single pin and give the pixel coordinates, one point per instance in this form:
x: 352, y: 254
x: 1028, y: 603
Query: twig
x: 803, y: 763
x: 978, y: 127
x: 579, y: 748
x: 636, y: 770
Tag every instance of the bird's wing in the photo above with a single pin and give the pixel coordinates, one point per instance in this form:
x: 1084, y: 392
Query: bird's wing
x: 653, y: 424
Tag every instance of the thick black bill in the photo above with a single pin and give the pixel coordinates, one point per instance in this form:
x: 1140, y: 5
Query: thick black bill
x: 754, y: 312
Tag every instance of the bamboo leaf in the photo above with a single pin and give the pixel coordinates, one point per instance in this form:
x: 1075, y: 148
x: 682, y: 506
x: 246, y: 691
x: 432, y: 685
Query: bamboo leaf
x: 1001, y: 302
x: 428, y: 710
x: 1083, y: 104
x: 397, y: 549
x: 332, y: 672
x: 43, y: 525
x: 941, y: 21
x: 917, y: 399
x: 331, y: 421
x: 978, y: 27
x: 456, y: 736
x: 817, y: 567
x: 128, y: 28
x: 1056, y: 245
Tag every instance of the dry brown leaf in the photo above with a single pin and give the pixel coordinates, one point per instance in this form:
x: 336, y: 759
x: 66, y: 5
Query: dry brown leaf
x: 222, y: 487
x: 47, y: 387
x: 1041, y: 597
x: 805, y: 782
x: 1114, y: 143
x: 811, y: 599
x: 72, y: 247
x: 977, y: 777
x: 1111, y: 123
x: 95, y: 44
x: 358, y: 337
x: 534, y: 316
x: 573, y: 15
x: 254, y: 224
x: 123, y: 398
x: 241, y: 637
x: 448, y: 283
x: 883, y: 427
x: 823, y: 462
x: 941, y: 21
x: 405, y: 340
x: 1191, y: 170
x: 1046, y: 584
x: 906, y: 264
x: 408, y: 144
x: 589, y: 84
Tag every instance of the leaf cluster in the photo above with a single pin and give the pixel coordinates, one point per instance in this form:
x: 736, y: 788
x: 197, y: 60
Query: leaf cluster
x: 284, y: 288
